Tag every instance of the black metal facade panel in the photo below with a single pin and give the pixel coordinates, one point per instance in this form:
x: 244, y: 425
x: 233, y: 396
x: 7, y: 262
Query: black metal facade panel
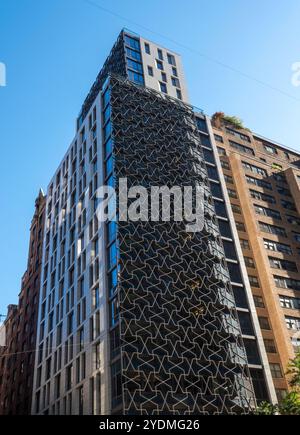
x: 116, y: 64
x: 181, y: 346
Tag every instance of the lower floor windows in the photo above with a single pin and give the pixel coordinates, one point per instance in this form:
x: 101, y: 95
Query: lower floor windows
x: 163, y: 87
x: 276, y: 371
x: 116, y: 384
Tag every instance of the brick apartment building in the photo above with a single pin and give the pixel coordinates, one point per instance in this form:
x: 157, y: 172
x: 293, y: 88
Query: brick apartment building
x: 17, y: 356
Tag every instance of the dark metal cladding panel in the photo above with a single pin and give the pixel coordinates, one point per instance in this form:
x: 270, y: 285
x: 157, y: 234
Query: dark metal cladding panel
x: 181, y: 351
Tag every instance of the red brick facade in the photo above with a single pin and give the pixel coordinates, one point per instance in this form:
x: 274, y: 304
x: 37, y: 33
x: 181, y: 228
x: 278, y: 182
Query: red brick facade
x: 17, y: 357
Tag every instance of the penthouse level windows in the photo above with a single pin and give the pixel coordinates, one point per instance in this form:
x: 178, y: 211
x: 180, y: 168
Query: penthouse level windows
x: 238, y: 134
x: 241, y: 148
x: 133, y: 60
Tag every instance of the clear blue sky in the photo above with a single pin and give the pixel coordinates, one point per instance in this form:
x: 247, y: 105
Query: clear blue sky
x: 54, y: 49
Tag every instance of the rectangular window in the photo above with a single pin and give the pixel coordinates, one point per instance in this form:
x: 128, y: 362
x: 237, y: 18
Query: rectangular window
x: 112, y: 256
x: 272, y: 229
x: 276, y: 371
x: 283, y: 191
x: 160, y: 65
x: 270, y: 346
x: 232, y: 193
x: 147, y: 48
x: 270, y: 149
x: 179, y: 94
x: 136, y: 77
x: 293, y: 323
x: 277, y: 263
x: 171, y: 59
x: 254, y: 282
x: 245, y: 244
x: 241, y: 148
x: 150, y: 71
x: 108, y: 148
x: 114, y: 312
x: 106, y: 97
x: 113, y: 281
x: 293, y: 220
x: 238, y: 134
x: 264, y: 323
x: 271, y: 245
x: 262, y: 196
x: 164, y: 77
x: 221, y: 151
x: 116, y: 384
x: 80, y: 401
x: 258, y: 182
x: 258, y: 301
x: 175, y: 82
x: 288, y: 205
x: 288, y: 283
x: 267, y: 212
x: 133, y: 54
x: 289, y: 303
x: 174, y: 72
x: 249, y: 262
x: 132, y: 42
x: 136, y: 66
x: 163, y: 87
x: 240, y: 226
x: 160, y: 54
x: 255, y: 169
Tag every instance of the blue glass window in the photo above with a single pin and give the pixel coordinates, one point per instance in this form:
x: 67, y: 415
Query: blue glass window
x: 115, y: 311
x: 113, y: 281
x: 106, y: 114
x: 108, y: 147
x: 107, y: 130
x: 175, y: 82
x: 112, y: 256
x: 163, y: 87
x: 171, y: 59
x: 133, y: 54
x: 132, y: 42
x: 160, y: 65
x: 96, y: 298
x: 111, y: 231
x: 111, y: 182
x: 135, y: 65
x: 109, y: 166
x: 106, y: 97
x: 136, y: 77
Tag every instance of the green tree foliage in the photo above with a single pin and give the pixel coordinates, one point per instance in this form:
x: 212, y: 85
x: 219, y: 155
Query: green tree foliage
x: 290, y: 405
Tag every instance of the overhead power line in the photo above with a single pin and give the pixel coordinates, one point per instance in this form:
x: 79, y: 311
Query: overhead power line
x: 196, y: 52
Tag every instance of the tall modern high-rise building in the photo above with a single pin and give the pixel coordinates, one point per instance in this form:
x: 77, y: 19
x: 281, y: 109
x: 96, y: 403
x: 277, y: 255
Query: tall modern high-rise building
x: 18, y: 332
x: 144, y: 317
x: 262, y: 180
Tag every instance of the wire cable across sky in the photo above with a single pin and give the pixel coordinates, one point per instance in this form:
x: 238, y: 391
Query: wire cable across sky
x: 194, y: 51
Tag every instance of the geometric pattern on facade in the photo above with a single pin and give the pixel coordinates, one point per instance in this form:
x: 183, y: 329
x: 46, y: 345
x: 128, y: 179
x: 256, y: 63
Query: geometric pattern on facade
x: 181, y: 346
